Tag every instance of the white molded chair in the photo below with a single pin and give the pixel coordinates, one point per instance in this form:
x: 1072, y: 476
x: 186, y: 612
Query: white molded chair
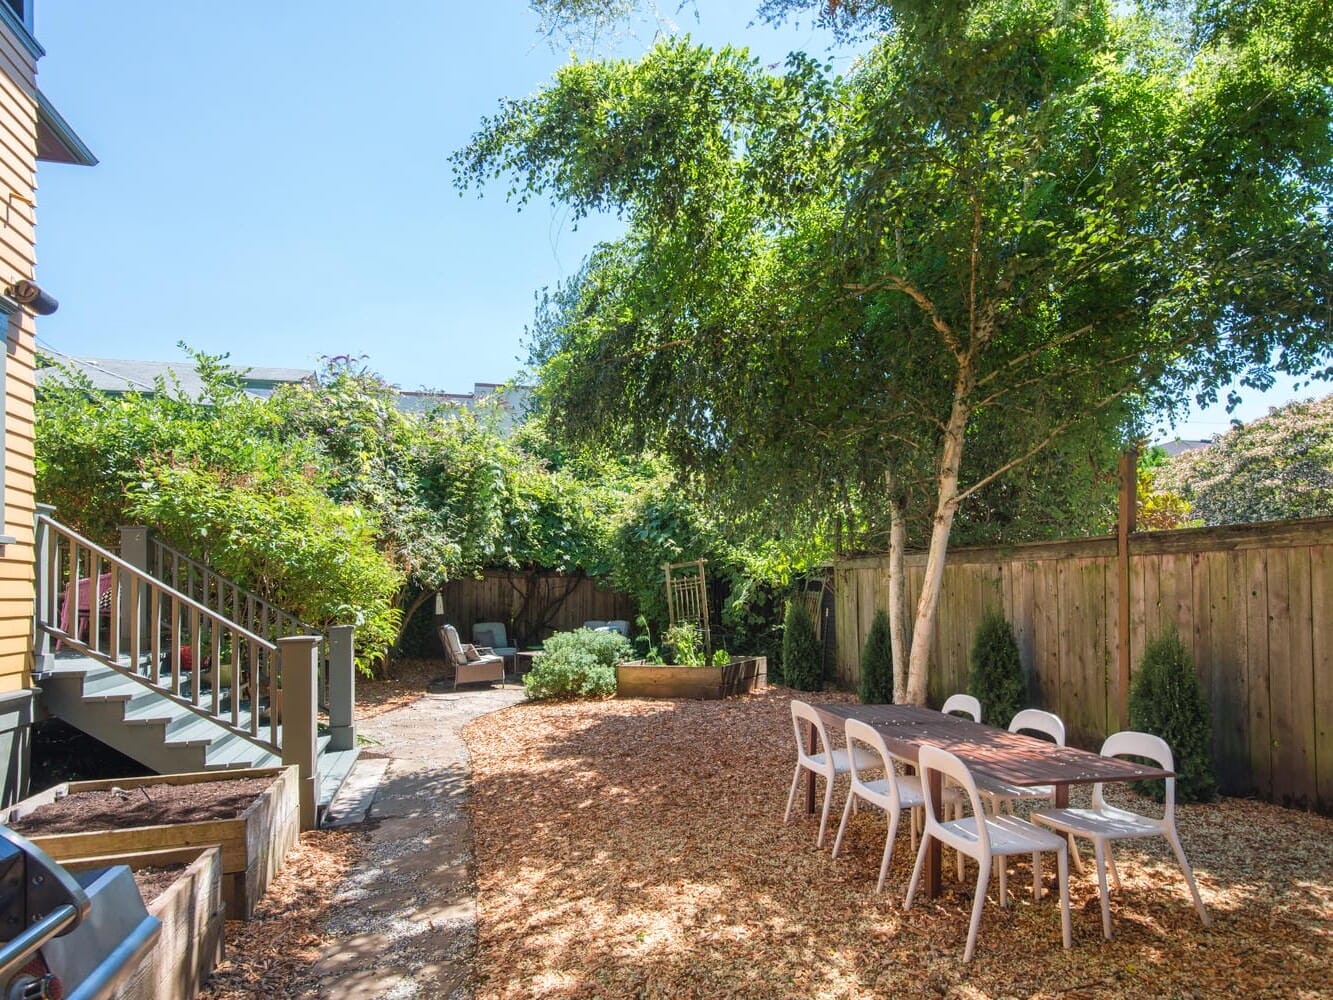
x: 1000, y: 793
x: 985, y: 838
x: 824, y: 760
x: 893, y: 793
x: 1104, y: 823
x: 964, y: 703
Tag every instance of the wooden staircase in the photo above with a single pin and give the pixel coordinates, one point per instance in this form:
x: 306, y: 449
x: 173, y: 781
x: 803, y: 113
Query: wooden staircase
x: 119, y: 666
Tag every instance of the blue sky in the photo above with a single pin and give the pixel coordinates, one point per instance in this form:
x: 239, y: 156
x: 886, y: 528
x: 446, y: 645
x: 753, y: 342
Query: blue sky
x: 278, y: 186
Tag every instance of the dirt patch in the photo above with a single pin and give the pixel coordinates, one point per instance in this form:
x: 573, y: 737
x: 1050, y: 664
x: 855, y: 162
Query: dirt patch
x: 145, y: 805
x: 407, y: 682
x: 154, y: 881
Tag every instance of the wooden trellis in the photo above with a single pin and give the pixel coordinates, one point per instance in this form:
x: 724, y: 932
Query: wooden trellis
x: 687, y: 597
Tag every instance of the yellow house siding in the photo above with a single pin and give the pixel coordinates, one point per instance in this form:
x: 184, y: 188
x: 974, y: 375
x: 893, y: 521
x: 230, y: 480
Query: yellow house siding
x: 18, y: 183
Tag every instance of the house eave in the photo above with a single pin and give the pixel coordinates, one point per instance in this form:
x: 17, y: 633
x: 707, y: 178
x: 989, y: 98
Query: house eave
x: 57, y: 142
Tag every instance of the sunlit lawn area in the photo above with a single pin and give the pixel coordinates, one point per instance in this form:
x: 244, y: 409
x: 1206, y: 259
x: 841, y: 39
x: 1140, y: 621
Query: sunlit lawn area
x: 636, y: 849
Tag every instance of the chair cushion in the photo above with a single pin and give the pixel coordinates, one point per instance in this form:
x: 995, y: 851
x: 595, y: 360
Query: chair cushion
x: 470, y: 652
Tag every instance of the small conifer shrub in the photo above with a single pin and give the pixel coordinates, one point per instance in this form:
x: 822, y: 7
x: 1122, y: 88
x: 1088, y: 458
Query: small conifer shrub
x: 876, y: 686
x: 996, y: 677
x: 1167, y: 700
x: 802, y: 660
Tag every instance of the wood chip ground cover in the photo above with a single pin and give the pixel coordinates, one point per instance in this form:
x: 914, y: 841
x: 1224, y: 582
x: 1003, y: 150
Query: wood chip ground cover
x: 636, y: 849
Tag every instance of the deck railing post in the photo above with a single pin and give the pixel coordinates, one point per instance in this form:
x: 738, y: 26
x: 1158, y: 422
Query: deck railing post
x: 298, y: 666
x: 45, y: 586
x: 134, y: 550
x: 342, y: 688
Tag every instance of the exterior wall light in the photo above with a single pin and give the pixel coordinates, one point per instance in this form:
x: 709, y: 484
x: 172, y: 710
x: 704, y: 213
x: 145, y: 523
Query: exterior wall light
x: 27, y: 294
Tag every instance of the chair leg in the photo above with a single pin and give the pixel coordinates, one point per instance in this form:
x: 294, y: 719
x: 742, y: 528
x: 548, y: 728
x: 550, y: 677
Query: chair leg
x: 795, y: 781
x: 1062, y: 868
x: 1073, y: 855
x: 1174, y: 839
x: 842, y: 827
x: 1110, y: 863
x: 1099, y: 848
x: 916, y: 870
x: 983, y: 880
x: 888, y: 848
x: 828, y: 802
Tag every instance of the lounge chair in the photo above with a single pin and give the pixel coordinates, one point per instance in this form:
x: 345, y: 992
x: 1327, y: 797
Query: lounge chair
x: 471, y: 664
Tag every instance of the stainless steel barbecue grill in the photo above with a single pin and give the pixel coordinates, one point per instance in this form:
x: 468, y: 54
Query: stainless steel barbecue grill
x: 66, y: 935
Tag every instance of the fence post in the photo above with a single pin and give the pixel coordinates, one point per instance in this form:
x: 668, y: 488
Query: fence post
x: 45, y: 585
x: 342, y: 688
x: 298, y: 668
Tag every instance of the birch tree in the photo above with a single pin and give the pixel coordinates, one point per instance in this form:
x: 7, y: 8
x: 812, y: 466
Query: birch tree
x: 1010, y: 225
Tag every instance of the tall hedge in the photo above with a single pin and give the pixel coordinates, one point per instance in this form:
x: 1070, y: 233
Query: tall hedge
x: 802, y: 660
x: 996, y: 676
x: 876, y: 686
x: 1166, y: 699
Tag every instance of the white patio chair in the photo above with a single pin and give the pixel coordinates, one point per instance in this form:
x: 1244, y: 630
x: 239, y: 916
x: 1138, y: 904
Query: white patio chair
x: 985, y: 838
x: 1104, y: 823
x: 964, y: 703
x: 893, y: 793
x: 997, y: 794
x: 826, y: 761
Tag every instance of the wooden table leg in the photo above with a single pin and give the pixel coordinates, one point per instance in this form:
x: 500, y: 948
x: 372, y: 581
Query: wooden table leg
x: 933, y: 852
x: 810, y: 775
x: 1062, y: 796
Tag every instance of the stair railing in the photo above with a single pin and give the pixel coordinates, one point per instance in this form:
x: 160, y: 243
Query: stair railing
x: 142, y: 548
x: 97, y: 604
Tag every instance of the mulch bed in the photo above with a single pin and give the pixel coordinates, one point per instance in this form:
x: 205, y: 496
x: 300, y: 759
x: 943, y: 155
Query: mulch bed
x: 636, y: 849
x: 271, y: 955
x: 407, y: 681
x: 145, y: 805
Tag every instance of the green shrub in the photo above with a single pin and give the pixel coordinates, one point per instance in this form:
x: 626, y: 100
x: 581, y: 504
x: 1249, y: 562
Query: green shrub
x: 578, y: 664
x: 996, y: 677
x: 802, y: 662
x: 876, y: 686
x: 721, y: 657
x: 1167, y: 700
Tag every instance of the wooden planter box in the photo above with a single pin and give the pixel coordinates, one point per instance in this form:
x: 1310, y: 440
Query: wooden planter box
x: 742, y: 675
x: 253, y: 844
x: 191, y: 912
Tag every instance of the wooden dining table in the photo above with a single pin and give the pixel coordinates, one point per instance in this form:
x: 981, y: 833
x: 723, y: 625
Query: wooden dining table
x: 988, y: 752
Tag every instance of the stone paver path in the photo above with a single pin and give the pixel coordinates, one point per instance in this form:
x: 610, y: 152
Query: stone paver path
x: 405, y: 921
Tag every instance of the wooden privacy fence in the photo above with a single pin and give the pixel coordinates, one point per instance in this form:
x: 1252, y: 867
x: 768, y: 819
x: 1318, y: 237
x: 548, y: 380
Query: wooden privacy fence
x: 1253, y: 603
x: 532, y: 605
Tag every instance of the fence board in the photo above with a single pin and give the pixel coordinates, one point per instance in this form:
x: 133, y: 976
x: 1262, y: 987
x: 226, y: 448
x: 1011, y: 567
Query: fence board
x: 1253, y: 603
x: 1321, y: 610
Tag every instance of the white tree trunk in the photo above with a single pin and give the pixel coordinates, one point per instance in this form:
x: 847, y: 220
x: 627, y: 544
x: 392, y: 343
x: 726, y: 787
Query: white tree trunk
x: 897, y: 593
x: 951, y: 457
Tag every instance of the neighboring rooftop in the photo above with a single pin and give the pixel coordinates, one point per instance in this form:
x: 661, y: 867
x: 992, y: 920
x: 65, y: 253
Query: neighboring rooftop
x: 118, y: 376
x: 1181, y: 445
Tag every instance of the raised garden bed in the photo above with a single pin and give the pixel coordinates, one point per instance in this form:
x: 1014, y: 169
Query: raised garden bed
x: 743, y: 675
x: 253, y: 815
x: 182, y: 887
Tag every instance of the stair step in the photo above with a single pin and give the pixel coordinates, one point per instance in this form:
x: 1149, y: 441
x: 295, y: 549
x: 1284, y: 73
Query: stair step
x: 233, y: 751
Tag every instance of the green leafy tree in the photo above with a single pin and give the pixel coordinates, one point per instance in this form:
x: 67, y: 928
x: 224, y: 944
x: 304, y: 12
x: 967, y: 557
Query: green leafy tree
x: 1010, y: 226
x: 1274, y: 468
x: 876, y: 682
x: 1167, y: 700
x: 802, y: 659
x: 995, y: 677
